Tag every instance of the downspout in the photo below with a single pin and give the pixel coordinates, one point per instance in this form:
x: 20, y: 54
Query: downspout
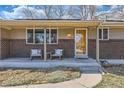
x: 101, y: 69
x: 97, y: 43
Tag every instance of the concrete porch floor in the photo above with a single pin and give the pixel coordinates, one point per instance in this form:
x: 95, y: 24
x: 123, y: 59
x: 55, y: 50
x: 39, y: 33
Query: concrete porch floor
x: 87, y: 65
x: 115, y: 61
x: 48, y: 60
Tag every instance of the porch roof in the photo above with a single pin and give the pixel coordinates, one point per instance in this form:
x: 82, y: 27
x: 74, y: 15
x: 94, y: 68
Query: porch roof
x: 113, y: 24
x: 47, y: 23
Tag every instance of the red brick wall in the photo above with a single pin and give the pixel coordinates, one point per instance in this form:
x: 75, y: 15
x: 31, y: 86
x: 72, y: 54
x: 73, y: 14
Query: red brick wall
x: 92, y: 48
x: 4, y: 44
x: 5, y: 48
x: 66, y: 44
x: 113, y: 49
x: 19, y: 48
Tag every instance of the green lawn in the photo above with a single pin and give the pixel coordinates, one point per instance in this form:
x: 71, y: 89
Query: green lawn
x: 114, y: 78
x: 14, y: 77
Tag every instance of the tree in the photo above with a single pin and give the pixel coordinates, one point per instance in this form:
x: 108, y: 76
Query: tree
x: 116, y: 8
x: 119, y: 9
x: 83, y: 12
x: 27, y: 13
x: 60, y: 11
x: 48, y: 11
x: 92, y: 11
x: 116, y: 12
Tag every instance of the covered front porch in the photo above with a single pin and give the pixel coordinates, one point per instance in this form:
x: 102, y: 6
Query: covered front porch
x: 85, y: 65
x: 78, y: 39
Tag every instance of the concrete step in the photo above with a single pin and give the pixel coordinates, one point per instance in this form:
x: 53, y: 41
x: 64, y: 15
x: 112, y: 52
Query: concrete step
x: 90, y: 69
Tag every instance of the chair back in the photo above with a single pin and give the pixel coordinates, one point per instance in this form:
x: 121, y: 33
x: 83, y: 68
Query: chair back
x: 35, y: 51
x: 59, y: 51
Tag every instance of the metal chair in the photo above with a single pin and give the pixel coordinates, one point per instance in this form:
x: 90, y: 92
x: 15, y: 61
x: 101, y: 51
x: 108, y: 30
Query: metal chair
x: 35, y: 53
x: 57, y: 53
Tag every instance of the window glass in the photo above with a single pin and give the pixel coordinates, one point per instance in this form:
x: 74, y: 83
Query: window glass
x: 100, y: 33
x: 53, y: 35
x: 29, y: 35
x: 47, y: 36
x: 39, y: 36
x: 105, y: 33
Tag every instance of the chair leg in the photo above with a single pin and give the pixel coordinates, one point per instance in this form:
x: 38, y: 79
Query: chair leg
x: 59, y: 57
x: 50, y: 57
x: 31, y: 58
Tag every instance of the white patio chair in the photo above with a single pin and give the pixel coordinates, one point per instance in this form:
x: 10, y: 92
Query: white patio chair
x: 36, y: 53
x: 57, y: 53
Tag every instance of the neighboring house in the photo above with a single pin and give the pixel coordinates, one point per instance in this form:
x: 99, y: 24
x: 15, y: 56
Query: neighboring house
x: 79, y: 39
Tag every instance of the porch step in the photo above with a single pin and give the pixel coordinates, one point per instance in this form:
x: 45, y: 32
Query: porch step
x: 90, y: 69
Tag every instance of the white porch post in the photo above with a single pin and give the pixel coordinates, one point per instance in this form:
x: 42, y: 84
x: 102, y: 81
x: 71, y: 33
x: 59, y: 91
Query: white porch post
x: 97, y: 45
x: 44, y: 44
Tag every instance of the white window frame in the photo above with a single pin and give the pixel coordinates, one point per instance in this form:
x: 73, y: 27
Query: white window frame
x: 34, y: 35
x: 44, y: 30
x: 50, y: 35
x: 102, y: 33
x: 27, y: 37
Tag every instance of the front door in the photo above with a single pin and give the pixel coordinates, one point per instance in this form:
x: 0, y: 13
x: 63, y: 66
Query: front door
x: 81, y: 43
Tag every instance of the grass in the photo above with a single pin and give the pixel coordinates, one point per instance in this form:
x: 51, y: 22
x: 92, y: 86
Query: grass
x: 14, y: 77
x: 114, y: 78
x: 111, y: 81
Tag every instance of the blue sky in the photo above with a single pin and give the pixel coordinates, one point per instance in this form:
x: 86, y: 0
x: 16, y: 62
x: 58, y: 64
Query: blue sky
x: 103, y: 8
x: 11, y: 12
x: 6, y: 8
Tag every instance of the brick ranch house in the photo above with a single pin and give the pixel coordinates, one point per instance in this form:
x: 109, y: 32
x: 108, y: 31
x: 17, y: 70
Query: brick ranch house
x: 79, y: 39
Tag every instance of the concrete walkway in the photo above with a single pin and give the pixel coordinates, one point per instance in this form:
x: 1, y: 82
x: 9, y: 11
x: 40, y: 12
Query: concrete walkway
x: 85, y: 81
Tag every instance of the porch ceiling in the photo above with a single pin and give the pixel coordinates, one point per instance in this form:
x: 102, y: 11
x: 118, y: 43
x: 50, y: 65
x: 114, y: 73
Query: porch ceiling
x: 9, y: 24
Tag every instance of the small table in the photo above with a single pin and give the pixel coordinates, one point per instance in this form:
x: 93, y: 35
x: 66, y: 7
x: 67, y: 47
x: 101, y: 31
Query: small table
x: 48, y: 54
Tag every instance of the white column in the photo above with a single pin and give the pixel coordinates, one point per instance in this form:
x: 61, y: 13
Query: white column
x: 97, y: 45
x: 45, y: 45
